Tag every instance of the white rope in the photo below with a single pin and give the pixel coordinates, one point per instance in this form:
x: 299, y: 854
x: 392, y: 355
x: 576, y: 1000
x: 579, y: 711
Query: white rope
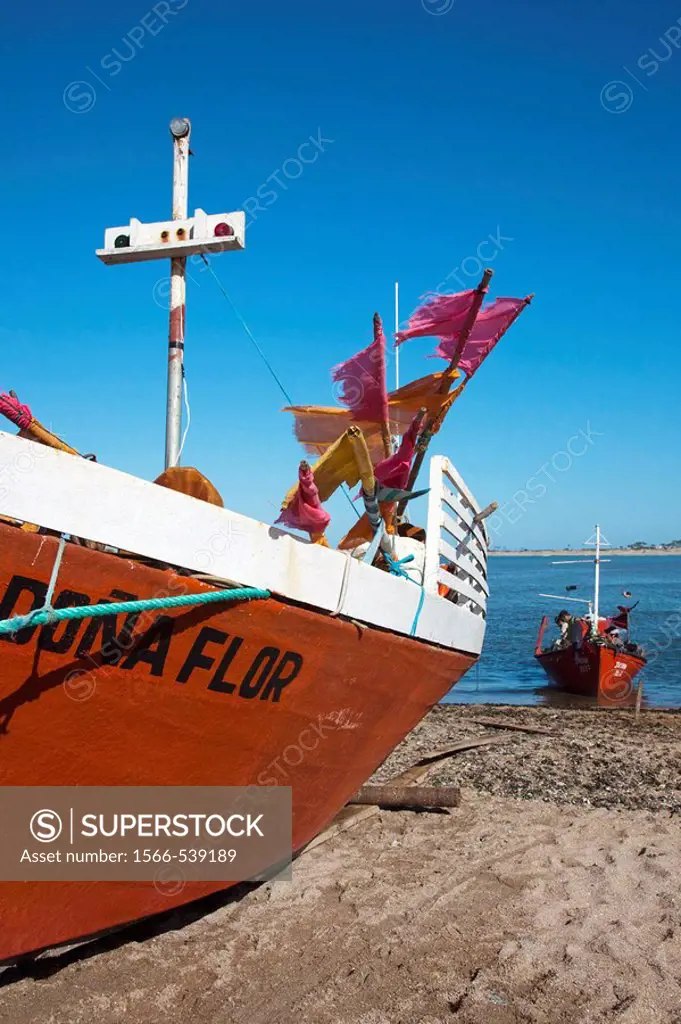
x: 52, y: 585
x: 185, y: 392
x: 55, y: 571
x: 344, y: 584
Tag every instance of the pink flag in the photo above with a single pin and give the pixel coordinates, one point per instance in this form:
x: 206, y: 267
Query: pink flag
x: 441, y: 315
x: 394, y: 471
x: 12, y: 408
x: 491, y: 324
x: 363, y: 380
x: 305, y: 511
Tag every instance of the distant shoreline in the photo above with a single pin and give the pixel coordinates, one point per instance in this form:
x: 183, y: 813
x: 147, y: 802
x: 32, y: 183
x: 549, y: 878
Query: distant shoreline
x: 583, y: 552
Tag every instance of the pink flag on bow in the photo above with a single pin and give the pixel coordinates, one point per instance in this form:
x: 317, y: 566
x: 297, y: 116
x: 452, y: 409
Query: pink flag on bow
x: 305, y: 511
x: 12, y: 408
x: 363, y: 380
x: 440, y: 315
x: 394, y: 471
x: 491, y: 324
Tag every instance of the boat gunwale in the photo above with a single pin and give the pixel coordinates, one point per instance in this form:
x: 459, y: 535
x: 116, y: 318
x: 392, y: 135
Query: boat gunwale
x: 93, y: 501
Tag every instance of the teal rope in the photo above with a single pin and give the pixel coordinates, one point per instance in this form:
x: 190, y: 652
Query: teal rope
x: 412, y: 631
x: 45, y: 615
x: 396, y: 567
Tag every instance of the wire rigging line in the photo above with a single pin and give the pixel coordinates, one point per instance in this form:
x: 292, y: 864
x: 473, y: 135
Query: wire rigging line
x: 264, y: 358
x: 249, y: 332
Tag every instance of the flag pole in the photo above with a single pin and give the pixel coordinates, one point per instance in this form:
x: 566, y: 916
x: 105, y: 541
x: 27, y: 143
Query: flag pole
x: 385, y: 429
x: 398, y: 436
x: 397, y: 327
x: 445, y: 384
x: 480, y: 293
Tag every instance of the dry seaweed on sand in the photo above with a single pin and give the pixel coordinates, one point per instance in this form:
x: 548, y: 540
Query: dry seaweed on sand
x: 597, y: 758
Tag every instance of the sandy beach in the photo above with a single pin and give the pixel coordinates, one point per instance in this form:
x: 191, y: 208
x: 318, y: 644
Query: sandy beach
x: 550, y: 895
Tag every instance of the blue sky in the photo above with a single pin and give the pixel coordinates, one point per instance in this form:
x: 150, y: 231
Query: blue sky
x: 445, y: 123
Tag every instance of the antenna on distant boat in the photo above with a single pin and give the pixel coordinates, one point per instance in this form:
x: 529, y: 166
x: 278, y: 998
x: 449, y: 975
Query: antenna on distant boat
x: 597, y: 574
x: 598, y: 541
x: 576, y: 600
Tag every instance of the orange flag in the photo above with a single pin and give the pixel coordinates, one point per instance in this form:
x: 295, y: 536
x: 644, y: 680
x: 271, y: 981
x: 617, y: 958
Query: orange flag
x: 317, y: 426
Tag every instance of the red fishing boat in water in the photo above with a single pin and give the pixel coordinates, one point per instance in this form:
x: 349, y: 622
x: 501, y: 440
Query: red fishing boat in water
x: 151, y: 636
x: 593, y: 656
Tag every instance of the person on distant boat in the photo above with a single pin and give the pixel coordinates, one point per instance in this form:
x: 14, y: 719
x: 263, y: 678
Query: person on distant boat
x: 578, y: 630
x: 572, y: 630
x: 613, y: 636
x: 562, y: 620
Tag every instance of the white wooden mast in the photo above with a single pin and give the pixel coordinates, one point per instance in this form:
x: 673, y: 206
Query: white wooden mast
x: 175, y: 240
x: 180, y: 129
x: 598, y: 540
x: 597, y: 575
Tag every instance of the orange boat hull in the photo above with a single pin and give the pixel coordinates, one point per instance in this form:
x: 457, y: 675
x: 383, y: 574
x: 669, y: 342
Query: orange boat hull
x: 594, y: 670
x: 262, y: 693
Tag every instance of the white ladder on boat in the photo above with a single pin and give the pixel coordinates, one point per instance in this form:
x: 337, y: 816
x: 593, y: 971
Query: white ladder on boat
x: 456, y: 544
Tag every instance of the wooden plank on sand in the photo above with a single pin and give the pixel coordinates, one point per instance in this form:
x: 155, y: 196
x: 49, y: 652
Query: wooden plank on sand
x: 457, y: 748
x: 494, y: 723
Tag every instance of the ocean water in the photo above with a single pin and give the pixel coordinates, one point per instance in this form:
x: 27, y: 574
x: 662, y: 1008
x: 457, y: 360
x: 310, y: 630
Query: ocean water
x: 507, y: 672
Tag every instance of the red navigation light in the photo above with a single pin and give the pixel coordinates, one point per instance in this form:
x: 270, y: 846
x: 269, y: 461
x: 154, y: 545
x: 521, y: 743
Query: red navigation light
x: 223, y: 230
